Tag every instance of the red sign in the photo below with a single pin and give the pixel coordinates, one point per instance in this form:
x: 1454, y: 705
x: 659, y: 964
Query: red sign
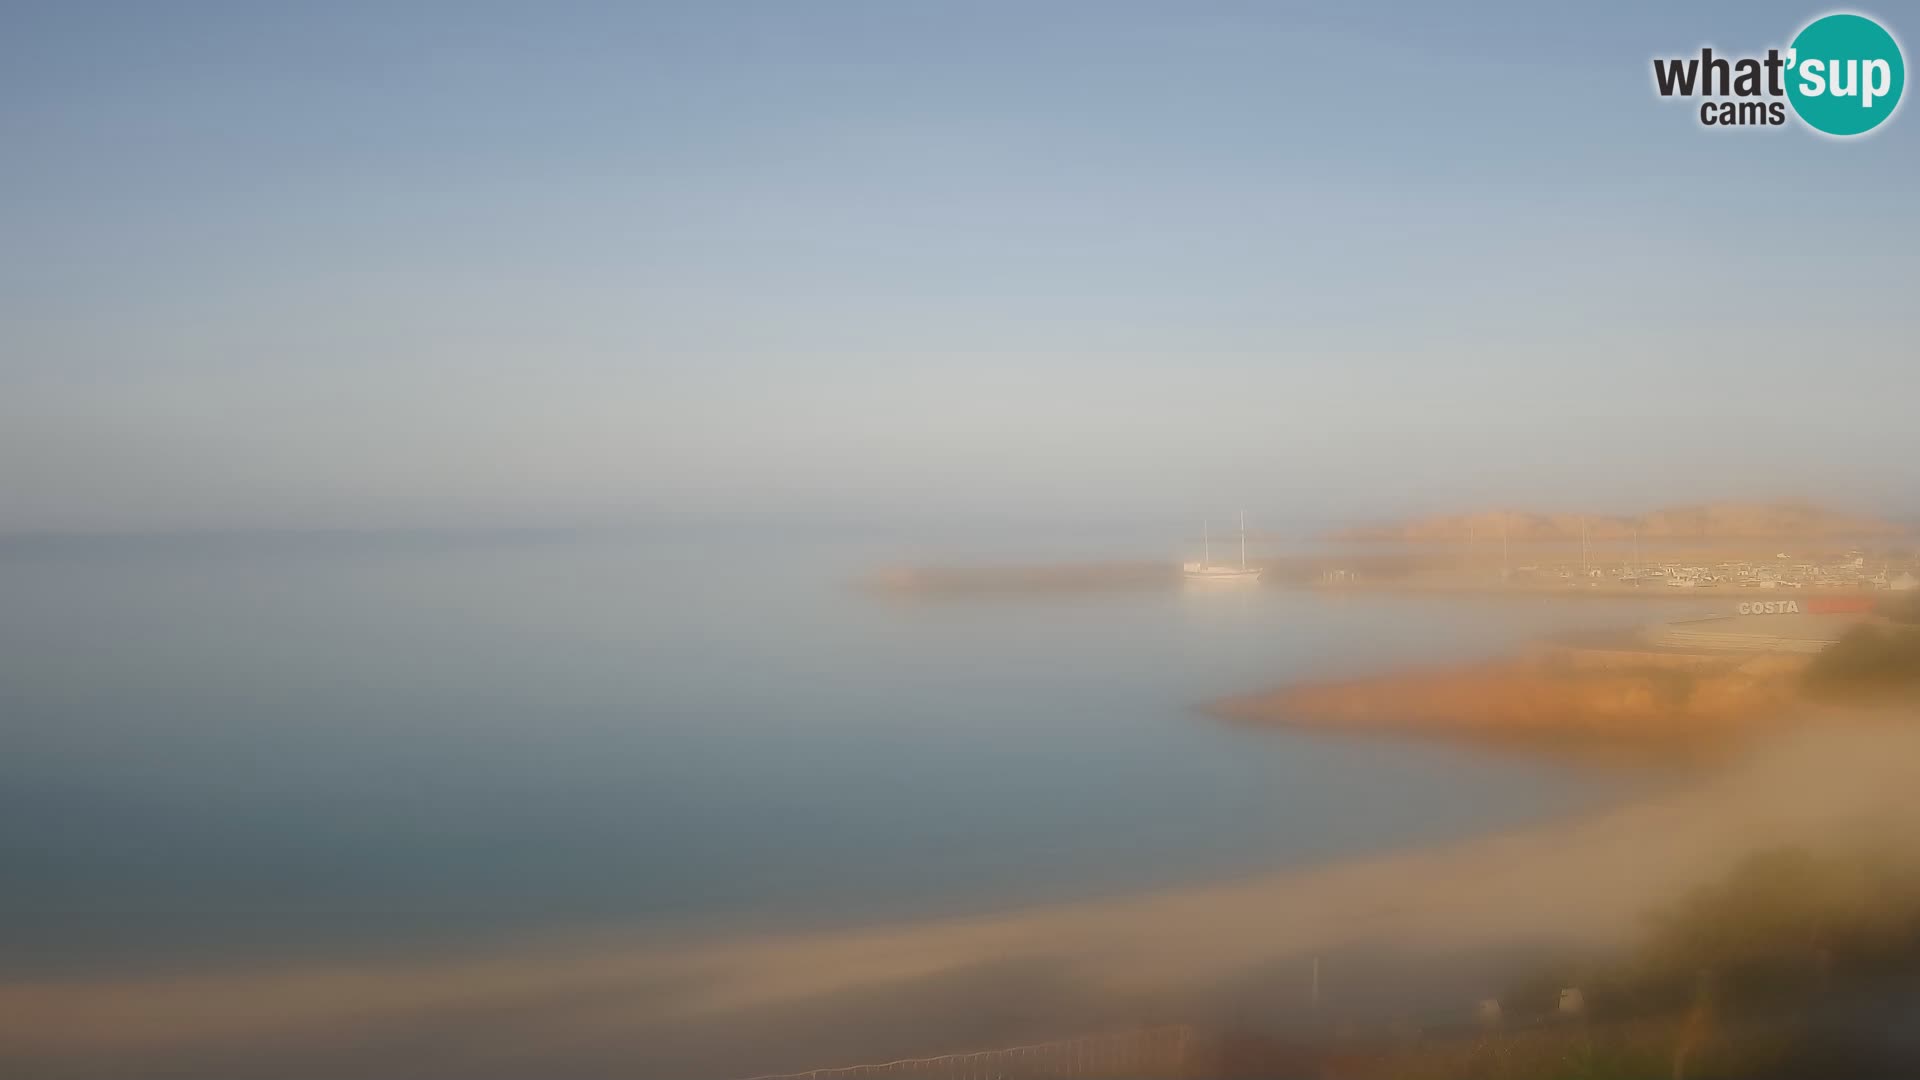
x: 1840, y: 605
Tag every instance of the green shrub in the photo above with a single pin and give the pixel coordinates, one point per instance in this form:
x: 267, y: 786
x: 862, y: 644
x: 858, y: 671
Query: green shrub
x: 1779, y: 918
x: 1868, y: 658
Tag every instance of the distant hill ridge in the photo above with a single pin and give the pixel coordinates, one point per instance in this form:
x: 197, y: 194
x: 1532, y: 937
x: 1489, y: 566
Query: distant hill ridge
x: 1712, y: 521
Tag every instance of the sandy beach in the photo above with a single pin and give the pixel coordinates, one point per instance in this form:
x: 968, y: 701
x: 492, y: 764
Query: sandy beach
x: 614, y: 1005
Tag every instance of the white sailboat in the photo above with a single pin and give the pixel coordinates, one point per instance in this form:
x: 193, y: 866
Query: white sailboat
x: 1205, y: 571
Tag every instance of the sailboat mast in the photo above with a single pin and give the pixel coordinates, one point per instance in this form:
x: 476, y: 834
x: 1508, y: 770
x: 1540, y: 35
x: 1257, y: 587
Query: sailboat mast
x: 1243, y: 540
x: 1206, y: 543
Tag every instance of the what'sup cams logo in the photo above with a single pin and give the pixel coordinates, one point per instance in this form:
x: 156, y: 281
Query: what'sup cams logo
x: 1842, y: 76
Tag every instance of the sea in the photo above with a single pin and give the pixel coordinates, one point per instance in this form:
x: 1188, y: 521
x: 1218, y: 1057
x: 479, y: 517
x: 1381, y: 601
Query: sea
x: 223, y: 748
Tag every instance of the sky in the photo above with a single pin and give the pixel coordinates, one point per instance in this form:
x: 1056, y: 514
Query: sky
x: 450, y: 264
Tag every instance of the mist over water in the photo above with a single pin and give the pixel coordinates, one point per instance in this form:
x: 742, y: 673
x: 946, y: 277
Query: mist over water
x: 579, y: 541
x: 259, y: 746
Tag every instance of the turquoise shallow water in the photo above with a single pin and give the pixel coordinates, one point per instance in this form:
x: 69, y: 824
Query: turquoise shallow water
x: 223, y: 747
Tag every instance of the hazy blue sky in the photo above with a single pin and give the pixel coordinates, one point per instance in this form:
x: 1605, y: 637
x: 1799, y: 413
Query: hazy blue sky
x: 402, y: 264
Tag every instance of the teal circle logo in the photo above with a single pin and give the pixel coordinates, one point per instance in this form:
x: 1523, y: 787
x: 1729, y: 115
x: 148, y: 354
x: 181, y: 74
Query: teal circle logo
x: 1845, y: 74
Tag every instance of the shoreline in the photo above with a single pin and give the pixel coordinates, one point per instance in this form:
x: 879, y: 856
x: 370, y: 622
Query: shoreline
x: 1412, y: 573
x: 1181, y: 953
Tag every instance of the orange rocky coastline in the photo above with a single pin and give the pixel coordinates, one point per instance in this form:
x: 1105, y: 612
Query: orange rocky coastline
x: 1539, y: 697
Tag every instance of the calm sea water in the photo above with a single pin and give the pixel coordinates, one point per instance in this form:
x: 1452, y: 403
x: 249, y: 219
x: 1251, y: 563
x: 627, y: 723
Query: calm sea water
x: 222, y: 747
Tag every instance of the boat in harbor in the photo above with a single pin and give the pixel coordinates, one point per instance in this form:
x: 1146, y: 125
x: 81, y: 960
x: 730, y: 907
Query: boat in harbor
x: 1206, y: 572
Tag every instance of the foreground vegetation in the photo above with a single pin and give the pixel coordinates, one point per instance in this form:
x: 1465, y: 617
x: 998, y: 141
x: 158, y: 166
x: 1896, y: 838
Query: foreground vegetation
x: 1787, y: 967
x: 1868, y: 660
x: 1794, y: 965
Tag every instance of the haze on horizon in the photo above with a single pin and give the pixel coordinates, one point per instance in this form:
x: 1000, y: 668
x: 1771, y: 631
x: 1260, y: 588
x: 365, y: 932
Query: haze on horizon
x: 367, y: 267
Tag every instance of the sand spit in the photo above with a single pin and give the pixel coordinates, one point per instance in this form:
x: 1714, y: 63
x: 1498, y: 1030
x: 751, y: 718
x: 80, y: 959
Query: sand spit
x: 1538, y: 699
